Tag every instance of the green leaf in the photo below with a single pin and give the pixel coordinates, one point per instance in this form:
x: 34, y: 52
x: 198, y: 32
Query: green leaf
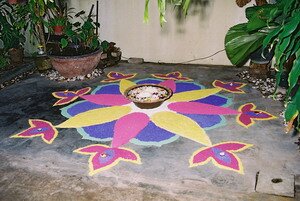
x: 239, y: 44
x: 162, y: 11
x: 146, y: 11
x: 64, y: 43
x: 293, y: 107
x: 290, y: 27
x: 105, y: 45
x: 271, y: 36
x: 294, y: 73
x: 186, y: 6
x: 80, y: 13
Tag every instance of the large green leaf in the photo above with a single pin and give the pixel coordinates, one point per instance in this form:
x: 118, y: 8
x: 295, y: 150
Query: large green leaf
x: 293, y: 107
x: 186, y: 6
x: 146, y: 11
x: 271, y: 36
x: 260, y: 16
x: 239, y: 44
x: 294, y: 73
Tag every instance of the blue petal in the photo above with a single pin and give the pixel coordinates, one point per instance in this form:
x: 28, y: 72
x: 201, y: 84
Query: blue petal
x: 187, y: 86
x: 221, y: 155
x: 214, y: 100
x: 100, y: 132
x: 107, y: 89
x: 148, y: 81
x: 106, y: 156
x: 153, y: 135
x: 207, y: 121
x: 79, y: 107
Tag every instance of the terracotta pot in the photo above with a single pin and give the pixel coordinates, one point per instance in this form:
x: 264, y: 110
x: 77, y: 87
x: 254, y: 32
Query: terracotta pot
x: 71, y: 66
x: 11, y: 2
x: 16, y: 55
x: 58, y: 30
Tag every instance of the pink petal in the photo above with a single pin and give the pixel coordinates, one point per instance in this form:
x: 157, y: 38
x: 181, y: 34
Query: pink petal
x: 63, y: 94
x: 83, y: 91
x: 231, y: 146
x: 128, y: 127
x: 127, y: 154
x: 93, y: 149
x: 170, y: 84
x: 106, y: 99
x: 202, y: 155
x: 245, y: 120
x: 200, y: 108
x: 247, y: 107
x: 65, y: 101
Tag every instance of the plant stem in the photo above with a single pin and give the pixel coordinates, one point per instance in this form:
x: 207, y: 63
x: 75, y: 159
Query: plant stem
x: 41, y: 36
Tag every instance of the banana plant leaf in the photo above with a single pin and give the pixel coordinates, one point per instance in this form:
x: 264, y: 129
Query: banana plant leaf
x: 239, y: 44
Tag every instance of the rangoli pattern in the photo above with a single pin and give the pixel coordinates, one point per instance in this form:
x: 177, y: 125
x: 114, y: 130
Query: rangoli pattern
x: 107, y: 115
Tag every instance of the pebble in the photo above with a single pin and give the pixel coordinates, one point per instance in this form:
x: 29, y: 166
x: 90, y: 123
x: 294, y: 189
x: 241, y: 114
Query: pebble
x: 17, y: 79
x: 265, y: 86
x: 54, y: 75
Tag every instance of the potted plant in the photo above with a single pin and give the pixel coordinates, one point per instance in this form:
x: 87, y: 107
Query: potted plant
x: 57, y: 25
x: 277, y: 27
x: 31, y: 16
x: 12, y: 2
x: 58, y: 16
x: 111, y: 54
x: 79, y: 50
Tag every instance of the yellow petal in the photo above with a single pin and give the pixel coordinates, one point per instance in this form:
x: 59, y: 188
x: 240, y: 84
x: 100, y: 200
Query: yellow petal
x: 193, y: 95
x: 96, y: 116
x: 125, y: 84
x: 181, y: 125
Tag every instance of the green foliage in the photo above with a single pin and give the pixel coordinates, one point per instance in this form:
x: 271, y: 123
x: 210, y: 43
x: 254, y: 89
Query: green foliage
x: 162, y: 8
x: 274, y: 26
x: 10, y: 34
x: 31, y: 17
x: 58, y: 14
x: 239, y: 43
x: 3, y: 60
x: 81, y: 33
x: 105, y: 45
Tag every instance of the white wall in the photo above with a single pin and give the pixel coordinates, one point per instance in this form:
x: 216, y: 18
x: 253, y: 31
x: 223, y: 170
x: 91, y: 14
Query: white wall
x: 197, y: 36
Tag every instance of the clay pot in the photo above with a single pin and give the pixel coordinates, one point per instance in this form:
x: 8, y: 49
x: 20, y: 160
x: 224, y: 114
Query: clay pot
x: 12, y: 2
x: 71, y: 66
x: 16, y: 55
x: 58, y: 30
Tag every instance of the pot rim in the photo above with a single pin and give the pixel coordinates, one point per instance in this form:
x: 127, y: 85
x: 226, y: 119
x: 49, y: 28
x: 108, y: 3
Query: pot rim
x: 75, y: 57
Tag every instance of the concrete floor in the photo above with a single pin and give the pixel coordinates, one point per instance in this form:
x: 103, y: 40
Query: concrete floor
x: 33, y: 170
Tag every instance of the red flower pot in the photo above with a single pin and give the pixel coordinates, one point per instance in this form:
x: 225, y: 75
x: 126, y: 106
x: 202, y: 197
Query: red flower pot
x: 11, y: 2
x: 58, y: 30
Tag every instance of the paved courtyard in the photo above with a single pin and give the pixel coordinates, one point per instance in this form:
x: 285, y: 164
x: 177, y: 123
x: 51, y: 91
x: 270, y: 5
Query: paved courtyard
x: 31, y: 169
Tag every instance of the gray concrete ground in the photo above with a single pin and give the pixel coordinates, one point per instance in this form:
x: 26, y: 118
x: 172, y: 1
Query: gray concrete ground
x: 33, y: 170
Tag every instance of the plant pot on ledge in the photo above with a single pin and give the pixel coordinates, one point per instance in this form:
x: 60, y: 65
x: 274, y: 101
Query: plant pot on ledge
x: 72, y: 66
x: 260, y: 63
x: 16, y: 56
x: 58, y: 30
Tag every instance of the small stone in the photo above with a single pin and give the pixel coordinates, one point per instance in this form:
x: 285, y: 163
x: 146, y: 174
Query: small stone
x: 133, y: 60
